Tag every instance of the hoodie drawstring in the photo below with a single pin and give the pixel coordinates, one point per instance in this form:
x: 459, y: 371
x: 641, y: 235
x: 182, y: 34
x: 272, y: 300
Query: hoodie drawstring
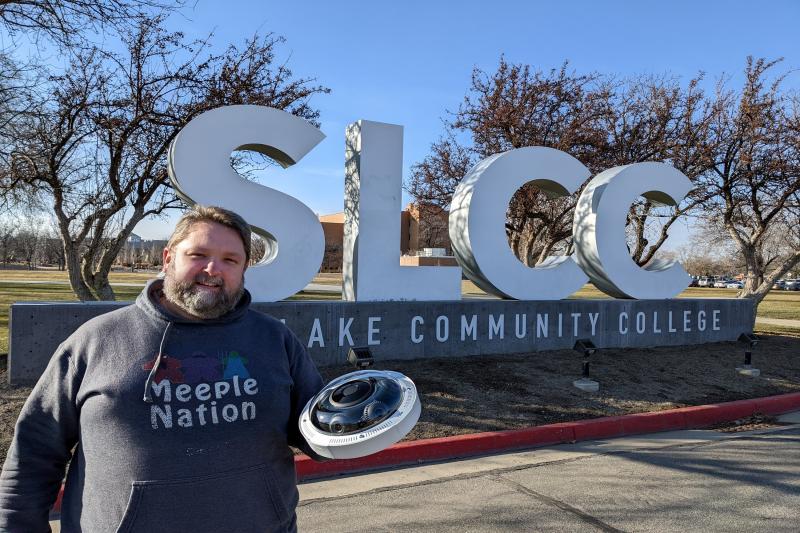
x: 148, y: 394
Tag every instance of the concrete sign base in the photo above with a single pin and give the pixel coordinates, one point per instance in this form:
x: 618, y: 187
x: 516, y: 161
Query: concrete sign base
x: 417, y: 330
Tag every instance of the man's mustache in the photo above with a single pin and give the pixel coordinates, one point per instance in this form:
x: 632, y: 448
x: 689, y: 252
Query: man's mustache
x: 209, y: 280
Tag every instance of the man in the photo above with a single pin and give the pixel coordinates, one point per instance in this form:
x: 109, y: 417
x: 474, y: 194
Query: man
x: 175, y: 413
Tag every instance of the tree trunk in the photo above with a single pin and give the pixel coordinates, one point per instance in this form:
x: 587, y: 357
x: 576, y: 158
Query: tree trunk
x: 528, y: 257
x: 102, y: 288
x: 757, y: 283
x: 101, y: 285
x: 545, y: 251
x: 72, y: 262
x: 515, y: 242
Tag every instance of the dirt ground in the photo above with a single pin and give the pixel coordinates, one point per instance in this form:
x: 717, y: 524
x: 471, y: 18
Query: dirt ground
x: 467, y: 395
x: 474, y: 394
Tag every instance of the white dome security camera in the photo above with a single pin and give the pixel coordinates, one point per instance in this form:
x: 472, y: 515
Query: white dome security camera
x: 360, y: 413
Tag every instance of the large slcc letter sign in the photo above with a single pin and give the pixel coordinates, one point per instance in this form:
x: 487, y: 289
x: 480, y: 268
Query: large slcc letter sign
x: 478, y: 216
x: 371, y: 268
x: 599, y: 231
x: 200, y: 170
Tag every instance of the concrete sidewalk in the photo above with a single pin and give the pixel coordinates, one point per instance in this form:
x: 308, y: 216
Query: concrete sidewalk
x: 694, y: 480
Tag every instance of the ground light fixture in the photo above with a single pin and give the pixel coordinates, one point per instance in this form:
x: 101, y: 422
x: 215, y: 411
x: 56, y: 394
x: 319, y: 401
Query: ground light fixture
x: 360, y: 413
x: 586, y: 348
x: 360, y: 357
x: 747, y: 368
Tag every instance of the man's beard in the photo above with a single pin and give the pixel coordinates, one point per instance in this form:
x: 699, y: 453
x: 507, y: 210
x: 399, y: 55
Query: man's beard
x: 197, y: 301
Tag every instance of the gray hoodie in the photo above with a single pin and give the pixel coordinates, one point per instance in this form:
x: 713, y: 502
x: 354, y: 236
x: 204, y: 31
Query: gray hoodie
x: 208, y: 452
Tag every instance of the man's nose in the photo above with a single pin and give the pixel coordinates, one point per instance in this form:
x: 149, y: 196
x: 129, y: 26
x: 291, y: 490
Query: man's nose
x: 213, y: 267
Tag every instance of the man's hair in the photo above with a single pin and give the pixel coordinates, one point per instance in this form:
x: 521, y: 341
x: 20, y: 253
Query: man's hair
x: 202, y: 213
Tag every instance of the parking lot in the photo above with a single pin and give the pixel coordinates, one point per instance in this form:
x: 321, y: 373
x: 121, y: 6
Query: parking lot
x: 724, y: 282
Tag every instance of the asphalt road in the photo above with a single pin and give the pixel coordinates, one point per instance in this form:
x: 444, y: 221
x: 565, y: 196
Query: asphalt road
x: 679, y: 481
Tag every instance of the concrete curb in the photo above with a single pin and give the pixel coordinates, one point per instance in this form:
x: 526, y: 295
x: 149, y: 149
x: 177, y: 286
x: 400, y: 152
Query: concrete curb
x: 445, y: 448
x: 440, y: 449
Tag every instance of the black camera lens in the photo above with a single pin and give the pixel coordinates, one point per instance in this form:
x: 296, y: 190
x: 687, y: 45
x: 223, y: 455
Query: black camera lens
x: 349, y: 394
x: 356, y: 405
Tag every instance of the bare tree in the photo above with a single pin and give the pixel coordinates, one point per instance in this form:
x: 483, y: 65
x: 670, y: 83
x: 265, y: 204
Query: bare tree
x: 8, y: 230
x: 95, y: 149
x: 51, y: 251
x: 427, y: 226
x: 603, y: 122
x: 66, y: 23
x: 28, y: 242
x: 654, y: 118
x: 511, y: 108
x: 64, y: 20
x: 755, y: 178
x: 153, y: 254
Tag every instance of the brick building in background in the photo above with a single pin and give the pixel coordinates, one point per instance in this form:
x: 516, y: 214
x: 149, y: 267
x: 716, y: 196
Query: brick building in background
x: 333, y: 227
x: 424, y: 239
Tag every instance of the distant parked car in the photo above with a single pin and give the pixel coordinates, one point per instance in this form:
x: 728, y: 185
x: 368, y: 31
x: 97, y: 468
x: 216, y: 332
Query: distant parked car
x: 734, y: 285
x: 705, y: 281
x: 792, y: 285
x: 721, y: 284
x: 779, y: 285
x: 695, y: 282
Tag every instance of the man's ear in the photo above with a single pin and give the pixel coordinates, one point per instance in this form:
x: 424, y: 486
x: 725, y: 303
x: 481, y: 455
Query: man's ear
x: 166, y: 258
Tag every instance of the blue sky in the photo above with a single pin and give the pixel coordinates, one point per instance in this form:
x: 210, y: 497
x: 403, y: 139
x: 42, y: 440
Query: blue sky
x: 409, y: 62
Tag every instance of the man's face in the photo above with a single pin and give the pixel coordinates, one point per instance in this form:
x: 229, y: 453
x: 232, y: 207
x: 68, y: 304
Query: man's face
x: 204, y: 273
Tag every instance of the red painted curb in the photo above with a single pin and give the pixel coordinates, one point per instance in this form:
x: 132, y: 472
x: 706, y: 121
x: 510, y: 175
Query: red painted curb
x: 428, y: 450
x: 425, y: 450
x: 598, y: 428
x: 707, y: 415
x: 667, y: 420
x: 775, y: 405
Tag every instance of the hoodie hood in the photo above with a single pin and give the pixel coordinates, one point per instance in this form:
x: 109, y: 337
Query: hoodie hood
x: 149, y: 301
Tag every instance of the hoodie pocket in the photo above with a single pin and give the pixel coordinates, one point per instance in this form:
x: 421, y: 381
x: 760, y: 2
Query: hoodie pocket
x: 236, y: 501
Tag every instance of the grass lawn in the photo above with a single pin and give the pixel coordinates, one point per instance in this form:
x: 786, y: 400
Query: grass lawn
x: 771, y: 329
x: 55, y: 275
x: 785, y: 299
x: 777, y: 304
x: 11, y: 292
x: 781, y: 304
x: 12, y: 289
